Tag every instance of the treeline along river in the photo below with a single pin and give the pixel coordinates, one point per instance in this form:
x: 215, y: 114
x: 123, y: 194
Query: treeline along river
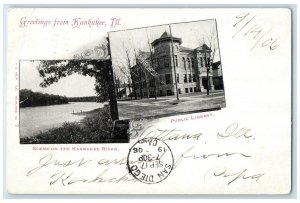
x: 29, y: 98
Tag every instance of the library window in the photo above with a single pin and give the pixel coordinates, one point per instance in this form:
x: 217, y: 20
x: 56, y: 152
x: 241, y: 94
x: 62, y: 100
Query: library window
x: 166, y: 61
x: 176, y: 61
x: 191, y: 89
x: 161, y: 62
x: 168, y: 79
x: 190, y: 78
x: 186, y: 90
x: 194, y: 77
x: 157, y: 62
x: 152, y: 82
x: 205, y: 62
x: 185, y: 78
x: 161, y: 80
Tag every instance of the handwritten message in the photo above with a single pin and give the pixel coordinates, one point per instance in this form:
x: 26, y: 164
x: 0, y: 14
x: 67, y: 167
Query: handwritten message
x: 65, y: 171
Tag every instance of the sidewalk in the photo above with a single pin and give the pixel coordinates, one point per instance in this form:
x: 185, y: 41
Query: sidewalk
x: 212, y: 93
x: 170, y: 104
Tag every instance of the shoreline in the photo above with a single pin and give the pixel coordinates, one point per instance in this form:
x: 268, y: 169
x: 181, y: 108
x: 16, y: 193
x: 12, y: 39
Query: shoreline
x: 95, y: 127
x: 77, y: 118
x: 87, y: 113
x: 83, y: 114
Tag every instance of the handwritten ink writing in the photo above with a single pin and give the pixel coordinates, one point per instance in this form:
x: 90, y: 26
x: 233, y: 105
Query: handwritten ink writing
x: 48, y: 160
x: 221, y: 171
x: 69, y: 178
x: 189, y: 155
x: 69, y: 171
x: 233, y: 130
x: 247, y: 26
x: 168, y: 134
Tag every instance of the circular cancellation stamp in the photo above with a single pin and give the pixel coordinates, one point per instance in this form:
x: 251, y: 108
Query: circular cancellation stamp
x: 150, y: 160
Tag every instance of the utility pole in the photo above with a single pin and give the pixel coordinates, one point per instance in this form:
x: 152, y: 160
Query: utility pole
x: 175, y: 74
x: 207, y: 64
x: 152, y: 67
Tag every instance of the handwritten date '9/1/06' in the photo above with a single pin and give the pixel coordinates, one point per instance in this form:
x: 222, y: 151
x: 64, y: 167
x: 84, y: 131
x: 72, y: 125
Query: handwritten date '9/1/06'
x: 247, y: 26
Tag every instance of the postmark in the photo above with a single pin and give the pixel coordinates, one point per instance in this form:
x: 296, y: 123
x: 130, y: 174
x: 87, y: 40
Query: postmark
x: 150, y: 160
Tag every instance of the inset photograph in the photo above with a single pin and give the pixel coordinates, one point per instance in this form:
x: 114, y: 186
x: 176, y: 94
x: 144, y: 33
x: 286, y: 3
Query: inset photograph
x: 167, y: 69
x: 68, y: 101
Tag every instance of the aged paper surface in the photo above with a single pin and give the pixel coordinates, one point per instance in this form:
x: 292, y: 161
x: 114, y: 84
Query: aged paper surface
x: 244, y: 148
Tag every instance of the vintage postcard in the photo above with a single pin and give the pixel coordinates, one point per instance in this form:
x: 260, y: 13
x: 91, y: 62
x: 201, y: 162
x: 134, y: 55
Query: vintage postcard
x: 100, y: 101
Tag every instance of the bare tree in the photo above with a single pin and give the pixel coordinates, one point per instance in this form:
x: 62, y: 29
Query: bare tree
x: 129, y: 65
x: 126, y: 71
x: 211, y: 40
x: 138, y: 64
x: 142, y: 65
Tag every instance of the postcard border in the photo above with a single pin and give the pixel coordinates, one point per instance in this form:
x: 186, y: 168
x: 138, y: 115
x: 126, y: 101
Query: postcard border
x: 293, y: 9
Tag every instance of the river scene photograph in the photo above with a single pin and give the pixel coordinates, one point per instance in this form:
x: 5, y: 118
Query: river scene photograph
x: 67, y: 101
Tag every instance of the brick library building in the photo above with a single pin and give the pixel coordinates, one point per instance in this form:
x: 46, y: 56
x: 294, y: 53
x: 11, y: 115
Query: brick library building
x: 188, y: 69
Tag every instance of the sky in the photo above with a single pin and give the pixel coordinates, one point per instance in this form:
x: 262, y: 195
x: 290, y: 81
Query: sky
x: 71, y: 86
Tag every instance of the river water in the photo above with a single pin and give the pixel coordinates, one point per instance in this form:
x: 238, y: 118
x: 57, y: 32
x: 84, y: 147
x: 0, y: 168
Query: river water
x: 41, y: 118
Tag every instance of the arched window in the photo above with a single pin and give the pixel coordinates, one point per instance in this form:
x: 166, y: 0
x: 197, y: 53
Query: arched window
x: 183, y: 60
